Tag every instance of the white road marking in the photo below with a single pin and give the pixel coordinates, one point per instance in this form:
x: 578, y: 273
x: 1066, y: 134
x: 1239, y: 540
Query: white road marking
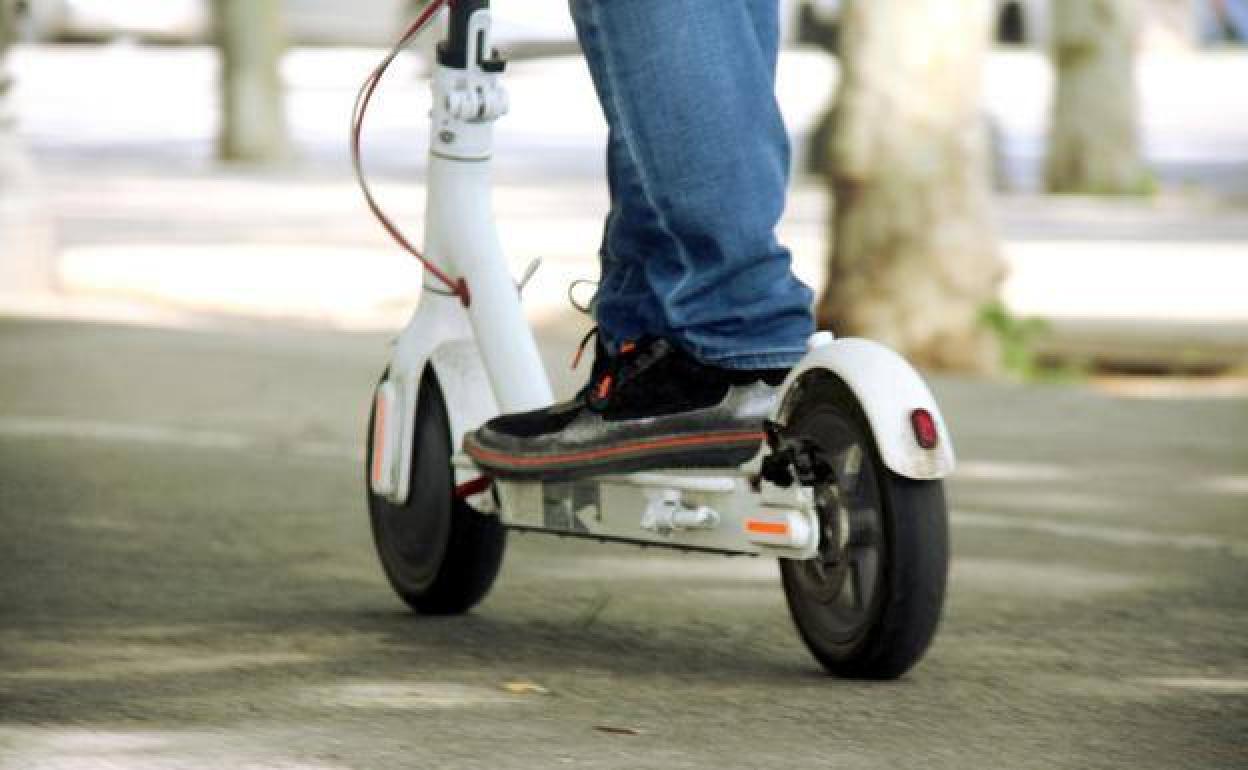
x: 1227, y: 485
x: 404, y: 695
x: 991, y: 470
x: 328, y: 450
x: 93, y: 430
x: 1011, y: 577
x: 164, y: 435
x: 152, y: 660
x: 1123, y: 536
x: 1211, y: 685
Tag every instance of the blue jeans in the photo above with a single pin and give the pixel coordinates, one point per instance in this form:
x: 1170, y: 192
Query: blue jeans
x: 697, y: 163
x: 1218, y: 27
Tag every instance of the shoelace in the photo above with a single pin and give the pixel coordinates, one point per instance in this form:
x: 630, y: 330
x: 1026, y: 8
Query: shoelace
x: 598, y: 389
x: 580, y: 349
x: 588, y: 307
x: 630, y: 361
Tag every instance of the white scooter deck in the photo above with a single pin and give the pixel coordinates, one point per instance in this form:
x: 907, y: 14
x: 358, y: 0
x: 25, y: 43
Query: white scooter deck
x: 732, y: 512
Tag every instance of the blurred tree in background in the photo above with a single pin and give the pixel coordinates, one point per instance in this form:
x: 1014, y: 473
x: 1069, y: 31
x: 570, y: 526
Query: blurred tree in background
x: 251, y: 40
x: 1093, y: 144
x: 914, y: 259
x: 8, y: 33
x: 26, y: 231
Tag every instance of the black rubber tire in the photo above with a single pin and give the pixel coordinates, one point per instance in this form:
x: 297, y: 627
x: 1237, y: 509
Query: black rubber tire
x: 902, y: 618
x: 440, y: 555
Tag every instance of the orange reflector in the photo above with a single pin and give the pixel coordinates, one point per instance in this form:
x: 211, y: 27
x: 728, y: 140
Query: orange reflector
x: 760, y: 527
x: 604, y: 388
x: 379, y: 438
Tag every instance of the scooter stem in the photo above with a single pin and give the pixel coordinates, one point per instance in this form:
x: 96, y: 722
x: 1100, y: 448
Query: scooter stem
x: 460, y: 232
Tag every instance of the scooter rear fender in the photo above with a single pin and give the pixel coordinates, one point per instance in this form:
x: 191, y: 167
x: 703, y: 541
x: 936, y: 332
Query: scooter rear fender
x: 889, y: 391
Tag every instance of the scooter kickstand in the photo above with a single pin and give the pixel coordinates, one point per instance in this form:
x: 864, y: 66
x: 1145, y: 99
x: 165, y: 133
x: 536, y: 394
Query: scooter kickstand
x: 666, y: 512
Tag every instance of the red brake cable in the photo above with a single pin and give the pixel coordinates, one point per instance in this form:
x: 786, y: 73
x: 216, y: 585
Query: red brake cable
x: 454, y: 286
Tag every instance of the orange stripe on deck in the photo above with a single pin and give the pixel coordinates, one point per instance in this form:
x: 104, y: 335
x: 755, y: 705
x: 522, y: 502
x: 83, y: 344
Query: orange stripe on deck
x: 767, y: 527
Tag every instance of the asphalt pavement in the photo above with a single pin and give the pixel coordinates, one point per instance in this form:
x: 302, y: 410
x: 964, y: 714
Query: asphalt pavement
x: 187, y: 581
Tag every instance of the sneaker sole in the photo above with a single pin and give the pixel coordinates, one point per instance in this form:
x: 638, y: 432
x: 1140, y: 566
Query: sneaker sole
x: 706, y: 450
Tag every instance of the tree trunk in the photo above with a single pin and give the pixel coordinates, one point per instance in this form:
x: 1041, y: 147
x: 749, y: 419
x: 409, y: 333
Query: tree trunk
x: 251, y: 41
x: 1093, y: 145
x: 914, y: 259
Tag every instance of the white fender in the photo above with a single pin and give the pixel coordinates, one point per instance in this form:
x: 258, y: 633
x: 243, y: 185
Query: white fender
x: 889, y: 390
x: 437, y: 335
x: 465, y: 388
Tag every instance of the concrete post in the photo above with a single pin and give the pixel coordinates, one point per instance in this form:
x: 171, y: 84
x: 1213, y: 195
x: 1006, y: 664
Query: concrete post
x: 8, y: 31
x: 26, y: 244
x: 251, y: 42
x: 1094, y: 144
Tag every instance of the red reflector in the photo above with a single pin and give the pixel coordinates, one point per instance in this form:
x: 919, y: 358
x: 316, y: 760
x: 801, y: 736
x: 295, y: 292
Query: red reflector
x: 925, y: 431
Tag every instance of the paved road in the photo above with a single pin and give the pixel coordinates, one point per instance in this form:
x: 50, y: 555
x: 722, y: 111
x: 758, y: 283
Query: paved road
x: 186, y: 580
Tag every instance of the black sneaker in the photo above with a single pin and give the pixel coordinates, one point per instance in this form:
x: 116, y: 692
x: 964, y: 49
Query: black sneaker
x: 651, y: 406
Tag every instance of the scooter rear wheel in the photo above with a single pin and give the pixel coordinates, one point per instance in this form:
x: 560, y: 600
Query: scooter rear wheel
x: 867, y: 609
x: 440, y: 555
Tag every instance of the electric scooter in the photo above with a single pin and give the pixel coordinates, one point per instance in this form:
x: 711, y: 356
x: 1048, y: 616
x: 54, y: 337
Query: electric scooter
x: 845, y: 490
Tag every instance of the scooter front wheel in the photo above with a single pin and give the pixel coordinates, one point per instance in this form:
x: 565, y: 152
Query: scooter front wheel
x: 867, y: 606
x: 440, y: 555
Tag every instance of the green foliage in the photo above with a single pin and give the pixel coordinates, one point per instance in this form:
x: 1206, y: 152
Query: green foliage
x: 1143, y: 185
x: 1017, y: 337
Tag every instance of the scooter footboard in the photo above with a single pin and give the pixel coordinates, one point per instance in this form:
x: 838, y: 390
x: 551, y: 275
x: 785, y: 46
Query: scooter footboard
x: 905, y: 420
x: 723, y: 513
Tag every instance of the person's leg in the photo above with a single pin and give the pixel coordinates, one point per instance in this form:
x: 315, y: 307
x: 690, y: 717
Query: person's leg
x: 698, y: 305
x: 687, y: 88
x: 624, y: 307
x: 1237, y: 19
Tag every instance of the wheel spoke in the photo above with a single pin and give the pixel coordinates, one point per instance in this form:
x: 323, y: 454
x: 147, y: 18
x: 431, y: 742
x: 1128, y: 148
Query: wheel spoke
x: 864, y: 527
x: 848, y: 596
x: 848, y: 467
x: 862, y: 564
